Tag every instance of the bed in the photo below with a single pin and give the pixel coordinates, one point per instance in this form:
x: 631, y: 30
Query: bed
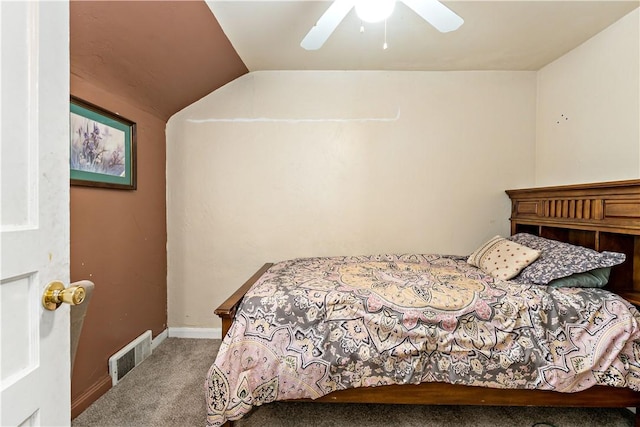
x: 604, y: 217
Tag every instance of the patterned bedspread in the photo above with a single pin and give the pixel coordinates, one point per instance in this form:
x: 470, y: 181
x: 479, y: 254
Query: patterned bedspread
x: 312, y: 326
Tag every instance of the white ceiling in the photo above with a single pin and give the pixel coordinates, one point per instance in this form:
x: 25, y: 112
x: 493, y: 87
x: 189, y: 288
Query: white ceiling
x: 496, y: 35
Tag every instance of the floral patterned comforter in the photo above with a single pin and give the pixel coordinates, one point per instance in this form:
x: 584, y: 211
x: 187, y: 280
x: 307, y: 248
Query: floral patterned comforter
x: 312, y: 326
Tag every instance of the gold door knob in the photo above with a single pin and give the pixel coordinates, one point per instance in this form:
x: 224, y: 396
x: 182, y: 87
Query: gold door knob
x: 55, y: 294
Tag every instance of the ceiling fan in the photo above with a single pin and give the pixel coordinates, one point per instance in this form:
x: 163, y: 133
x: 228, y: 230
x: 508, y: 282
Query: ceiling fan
x: 432, y: 11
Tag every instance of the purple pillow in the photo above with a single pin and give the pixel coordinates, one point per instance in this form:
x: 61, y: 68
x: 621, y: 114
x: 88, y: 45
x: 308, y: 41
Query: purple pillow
x: 558, y: 259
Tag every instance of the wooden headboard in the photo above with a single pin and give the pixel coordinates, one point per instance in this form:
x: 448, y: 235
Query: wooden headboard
x: 603, y: 216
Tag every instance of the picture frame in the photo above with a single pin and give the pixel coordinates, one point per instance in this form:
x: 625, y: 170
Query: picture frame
x: 102, y: 147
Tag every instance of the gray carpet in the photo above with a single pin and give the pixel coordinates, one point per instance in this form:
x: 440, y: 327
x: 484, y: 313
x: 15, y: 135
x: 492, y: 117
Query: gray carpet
x: 167, y: 390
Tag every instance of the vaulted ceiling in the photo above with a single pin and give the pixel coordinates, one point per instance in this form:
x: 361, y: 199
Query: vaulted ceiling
x: 169, y: 54
x: 496, y: 34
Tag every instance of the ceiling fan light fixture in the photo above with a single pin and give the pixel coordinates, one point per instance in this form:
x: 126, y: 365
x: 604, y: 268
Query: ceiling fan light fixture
x: 374, y: 10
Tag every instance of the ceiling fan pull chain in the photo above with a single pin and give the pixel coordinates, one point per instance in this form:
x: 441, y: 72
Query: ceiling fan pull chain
x: 384, y: 46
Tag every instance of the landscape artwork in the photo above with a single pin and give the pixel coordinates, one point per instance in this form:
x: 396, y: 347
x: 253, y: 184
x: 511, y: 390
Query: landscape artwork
x: 102, y: 147
x: 96, y: 147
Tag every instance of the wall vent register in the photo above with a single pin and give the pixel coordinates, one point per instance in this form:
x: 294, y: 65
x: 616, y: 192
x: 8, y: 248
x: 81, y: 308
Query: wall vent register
x: 130, y: 356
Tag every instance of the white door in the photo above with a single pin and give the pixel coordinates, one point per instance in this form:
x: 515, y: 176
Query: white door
x: 34, y: 220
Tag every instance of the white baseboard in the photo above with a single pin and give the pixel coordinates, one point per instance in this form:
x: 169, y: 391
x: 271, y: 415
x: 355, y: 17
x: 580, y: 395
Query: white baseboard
x: 204, y: 333
x: 159, y: 338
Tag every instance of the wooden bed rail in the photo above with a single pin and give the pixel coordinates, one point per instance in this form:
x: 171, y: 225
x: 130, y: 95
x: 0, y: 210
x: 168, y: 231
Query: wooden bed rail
x: 227, y: 310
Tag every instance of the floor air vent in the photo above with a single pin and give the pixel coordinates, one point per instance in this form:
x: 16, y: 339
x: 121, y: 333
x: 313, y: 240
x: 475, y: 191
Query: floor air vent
x: 129, y: 357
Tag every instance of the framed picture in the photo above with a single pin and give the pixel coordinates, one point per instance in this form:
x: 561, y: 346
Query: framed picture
x: 102, y: 147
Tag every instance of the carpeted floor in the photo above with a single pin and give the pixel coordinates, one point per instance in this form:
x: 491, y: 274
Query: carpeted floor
x: 167, y: 390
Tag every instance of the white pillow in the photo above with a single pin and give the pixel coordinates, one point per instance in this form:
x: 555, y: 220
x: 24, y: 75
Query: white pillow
x: 502, y: 258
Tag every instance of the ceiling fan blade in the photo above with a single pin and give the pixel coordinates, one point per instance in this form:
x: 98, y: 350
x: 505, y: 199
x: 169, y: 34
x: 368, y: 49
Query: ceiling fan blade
x: 435, y: 13
x: 327, y: 23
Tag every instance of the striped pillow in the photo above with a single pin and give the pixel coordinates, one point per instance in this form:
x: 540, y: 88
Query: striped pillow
x: 502, y: 258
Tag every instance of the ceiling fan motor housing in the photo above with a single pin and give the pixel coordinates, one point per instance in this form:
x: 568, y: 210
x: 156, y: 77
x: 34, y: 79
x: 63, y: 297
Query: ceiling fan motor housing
x: 374, y: 10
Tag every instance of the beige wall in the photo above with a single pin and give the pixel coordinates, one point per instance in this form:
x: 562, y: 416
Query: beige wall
x: 277, y: 165
x: 588, y: 114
